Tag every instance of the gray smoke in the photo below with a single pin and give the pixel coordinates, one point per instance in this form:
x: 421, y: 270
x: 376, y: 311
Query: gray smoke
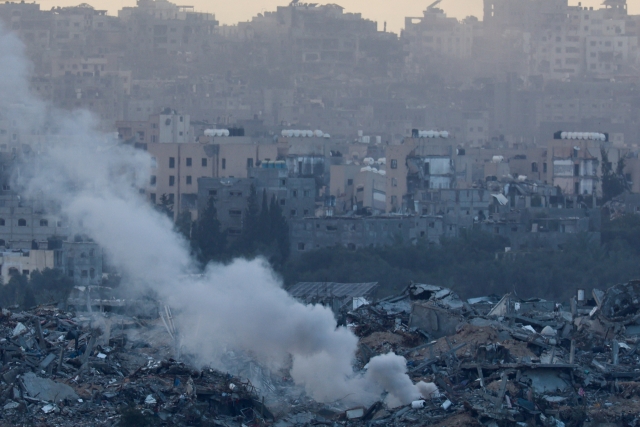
x: 240, y: 307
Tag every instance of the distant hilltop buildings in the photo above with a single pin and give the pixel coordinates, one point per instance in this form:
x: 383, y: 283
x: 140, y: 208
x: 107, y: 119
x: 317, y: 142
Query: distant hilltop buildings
x: 362, y: 137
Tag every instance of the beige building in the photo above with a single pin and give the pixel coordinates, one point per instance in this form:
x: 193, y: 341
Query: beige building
x: 26, y: 262
x: 178, y: 166
x: 574, y: 166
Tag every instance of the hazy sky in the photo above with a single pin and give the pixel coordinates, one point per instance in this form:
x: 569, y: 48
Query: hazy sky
x: 392, y: 11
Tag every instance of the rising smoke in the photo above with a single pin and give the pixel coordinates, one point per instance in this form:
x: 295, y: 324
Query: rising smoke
x: 236, y: 308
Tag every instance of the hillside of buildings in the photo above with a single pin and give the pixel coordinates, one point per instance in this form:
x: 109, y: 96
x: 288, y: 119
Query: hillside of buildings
x: 321, y: 142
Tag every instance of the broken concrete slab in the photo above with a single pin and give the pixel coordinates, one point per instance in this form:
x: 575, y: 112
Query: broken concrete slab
x: 545, y: 381
x: 45, y: 389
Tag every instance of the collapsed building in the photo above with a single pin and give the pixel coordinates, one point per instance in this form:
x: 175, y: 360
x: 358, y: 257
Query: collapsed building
x: 495, y: 361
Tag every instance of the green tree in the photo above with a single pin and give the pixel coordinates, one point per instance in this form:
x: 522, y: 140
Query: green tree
x: 264, y: 230
x: 15, y: 290
x: 183, y: 224
x: 248, y: 243
x: 623, y: 230
x: 50, y: 285
x: 165, y: 206
x: 279, y: 229
x: 613, y: 181
x: 210, y: 241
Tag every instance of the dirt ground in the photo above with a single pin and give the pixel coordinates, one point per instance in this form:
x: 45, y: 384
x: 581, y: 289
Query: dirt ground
x: 459, y: 420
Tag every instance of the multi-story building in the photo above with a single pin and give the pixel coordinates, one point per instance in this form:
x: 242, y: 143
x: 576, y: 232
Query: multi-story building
x: 296, y: 196
x: 28, y: 225
x: 435, y: 34
x: 165, y: 28
x: 574, y: 165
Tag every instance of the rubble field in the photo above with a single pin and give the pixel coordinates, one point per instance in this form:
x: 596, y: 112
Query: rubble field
x: 496, y: 361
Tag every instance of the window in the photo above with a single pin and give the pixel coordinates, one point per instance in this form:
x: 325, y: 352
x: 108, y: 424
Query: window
x: 204, y: 162
x: 22, y: 222
x: 188, y: 179
x: 294, y: 193
x: 307, y: 193
x: 1, y: 221
x: 152, y: 197
x: 224, y: 163
x: 153, y: 180
x: 283, y: 182
x: 2, y: 242
x: 432, y: 225
x: 213, y: 193
x: 576, y: 170
x: 84, y: 273
x: 172, y: 162
x: 349, y: 182
x: 282, y: 202
x: 306, y: 212
x: 92, y: 273
x: 154, y: 162
x: 44, y: 223
x: 394, y: 182
x: 25, y: 272
x: 172, y: 181
x: 70, y: 273
x: 394, y: 164
x: 249, y: 163
x: 301, y: 246
x: 293, y: 212
x: 188, y: 161
x: 235, y: 212
x: 534, y: 167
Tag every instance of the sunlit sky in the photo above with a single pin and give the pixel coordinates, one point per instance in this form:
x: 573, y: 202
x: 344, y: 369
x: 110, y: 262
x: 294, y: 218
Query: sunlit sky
x: 391, y: 11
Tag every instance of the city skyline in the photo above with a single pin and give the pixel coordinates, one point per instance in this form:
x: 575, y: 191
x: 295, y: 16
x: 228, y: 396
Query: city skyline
x: 375, y: 10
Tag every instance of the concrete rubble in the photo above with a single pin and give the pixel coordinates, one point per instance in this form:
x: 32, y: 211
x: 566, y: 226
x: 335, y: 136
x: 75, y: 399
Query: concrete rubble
x: 496, y: 362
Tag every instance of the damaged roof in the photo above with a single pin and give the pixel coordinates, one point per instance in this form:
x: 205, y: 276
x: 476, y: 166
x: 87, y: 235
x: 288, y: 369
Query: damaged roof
x: 304, y: 290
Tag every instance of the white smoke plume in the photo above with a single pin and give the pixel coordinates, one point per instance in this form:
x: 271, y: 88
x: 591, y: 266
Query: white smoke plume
x: 240, y: 307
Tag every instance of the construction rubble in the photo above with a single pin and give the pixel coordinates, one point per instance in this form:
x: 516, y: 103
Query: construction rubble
x: 497, y: 361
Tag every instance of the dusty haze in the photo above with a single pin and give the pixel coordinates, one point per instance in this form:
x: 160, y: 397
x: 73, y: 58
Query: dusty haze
x: 240, y: 308
x: 393, y: 12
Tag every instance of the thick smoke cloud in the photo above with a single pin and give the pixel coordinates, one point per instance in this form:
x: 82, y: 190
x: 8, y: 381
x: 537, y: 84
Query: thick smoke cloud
x: 239, y: 308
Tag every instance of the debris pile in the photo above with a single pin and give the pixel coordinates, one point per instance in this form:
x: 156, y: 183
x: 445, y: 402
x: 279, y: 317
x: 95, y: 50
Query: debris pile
x: 509, y: 361
x: 495, y: 362
x: 60, y: 368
